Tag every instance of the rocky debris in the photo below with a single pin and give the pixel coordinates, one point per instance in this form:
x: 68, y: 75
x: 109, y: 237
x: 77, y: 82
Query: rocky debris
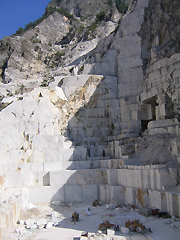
x: 122, y: 216
x: 88, y: 211
x: 124, y: 230
x: 107, y: 206
x: 29, y: 223
x: 75, y: 217
x: 56, y: 203
x: 173, y: 222
x: 41, y: 223
x: 48, y: 225
x: 21, y: 234
x: 98, y: 235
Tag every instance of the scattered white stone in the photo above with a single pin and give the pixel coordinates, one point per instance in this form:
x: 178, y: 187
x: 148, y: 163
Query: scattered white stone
x: 19, y: 230
x: 29, y: 206
x: 110, y: 232
x: 172, y: 225
x: 100, y: 203
x: 177, y: 224
x: 88, y: 212
x: 41, y: 222
x: 34, y: 226
x: 124, y: 230
x: 113, y: 205
x: 107, y: 206
x: 20, y: 234
x: 56, y: 203
x: 49, y: 224
x: 55, y: 224
x: 54, y: 215
x: 29, y: 222
x: 167, y: 221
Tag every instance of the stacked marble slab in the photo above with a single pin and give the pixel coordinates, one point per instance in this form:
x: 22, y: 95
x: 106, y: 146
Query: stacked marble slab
x: 143, y: 186
x: 166, y: 126
x: 69, y: 186
x: 9, y: 212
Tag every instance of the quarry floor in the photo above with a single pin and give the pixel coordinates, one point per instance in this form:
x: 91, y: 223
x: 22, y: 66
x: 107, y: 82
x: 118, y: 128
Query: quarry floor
x: 67, y: 230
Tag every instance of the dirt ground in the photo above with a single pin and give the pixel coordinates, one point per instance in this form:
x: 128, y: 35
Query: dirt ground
x: 68, y: 230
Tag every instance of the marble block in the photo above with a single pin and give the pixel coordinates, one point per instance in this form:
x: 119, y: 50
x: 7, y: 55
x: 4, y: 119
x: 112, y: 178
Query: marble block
x: 72, y: 194
x: 89, y: 193
x: 104, y: 193
x: 46, y: 194
x: 60, y: 178
x: 112, y: 176
x: 117, y: 195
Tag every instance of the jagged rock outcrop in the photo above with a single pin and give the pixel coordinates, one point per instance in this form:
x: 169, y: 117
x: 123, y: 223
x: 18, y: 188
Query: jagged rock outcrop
x: 83, y: 9
x: 56, y: 41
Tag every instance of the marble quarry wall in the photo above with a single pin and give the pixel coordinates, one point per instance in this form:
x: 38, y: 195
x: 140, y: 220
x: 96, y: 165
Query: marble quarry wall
x: 110, y: 133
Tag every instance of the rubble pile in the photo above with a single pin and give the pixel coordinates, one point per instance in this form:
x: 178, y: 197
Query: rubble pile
x: 173, y: 222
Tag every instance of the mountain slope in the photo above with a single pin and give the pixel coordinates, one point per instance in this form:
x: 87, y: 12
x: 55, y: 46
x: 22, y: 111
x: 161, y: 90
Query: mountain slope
x: 61, y: 38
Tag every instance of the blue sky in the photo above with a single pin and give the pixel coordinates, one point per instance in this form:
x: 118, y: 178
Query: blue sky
x: 18, y: 13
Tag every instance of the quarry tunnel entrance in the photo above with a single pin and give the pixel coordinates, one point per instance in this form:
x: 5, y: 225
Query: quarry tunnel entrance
x: 148, y: 112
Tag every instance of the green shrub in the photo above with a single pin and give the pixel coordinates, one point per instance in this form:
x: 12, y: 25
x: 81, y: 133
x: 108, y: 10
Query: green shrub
x: 121, y: 5
x: 59, y: 54
x: 49, y: 43
x: 48, y: 12
x: 100, y: 16
x: 81, y: 69
x: 92, y: 27
x: 20, y: 31
x: 110, y: 2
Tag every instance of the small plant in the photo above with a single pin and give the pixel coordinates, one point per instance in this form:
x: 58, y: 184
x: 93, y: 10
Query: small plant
x: 3, y: 46
x: 20, y: 31
x: 50, y: 44
x: 110, y: 2
x: 100, y: 16
x: 121, y: 6
x: 9, y: 94
x: 81, y: 69
x: 22, y: 88
x: 59, y: 54
x: 44, y: 83
x: 34, y: 39
x: 92, y: 27
x: 39, y: 57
